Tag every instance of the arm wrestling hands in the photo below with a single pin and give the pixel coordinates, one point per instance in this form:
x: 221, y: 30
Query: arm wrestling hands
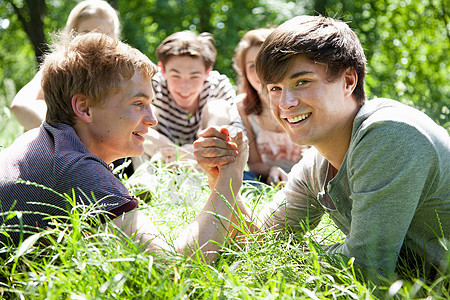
x: 216, y: 151
x: 217, y: 154
x: 223, y: 159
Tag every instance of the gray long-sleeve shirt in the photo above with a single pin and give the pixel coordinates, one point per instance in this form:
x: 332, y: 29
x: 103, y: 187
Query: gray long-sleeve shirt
x: 392, y: 190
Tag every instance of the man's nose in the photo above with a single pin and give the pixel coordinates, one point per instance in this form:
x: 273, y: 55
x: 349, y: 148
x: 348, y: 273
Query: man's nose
x: 150, y: 117
x: 288, y: 100
x: 185, y: 85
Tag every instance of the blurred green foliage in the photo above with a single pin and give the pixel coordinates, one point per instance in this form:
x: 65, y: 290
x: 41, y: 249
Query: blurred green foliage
x: 407, y: 46
x: 406, y: 41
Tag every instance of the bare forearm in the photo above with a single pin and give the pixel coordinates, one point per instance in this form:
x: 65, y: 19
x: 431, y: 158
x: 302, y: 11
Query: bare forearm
x: 242, y: 220
x: 28, y: 105
x: 31, y: 114
x: 139, y: 228
x: 211, y: 227
x: 259, y: 168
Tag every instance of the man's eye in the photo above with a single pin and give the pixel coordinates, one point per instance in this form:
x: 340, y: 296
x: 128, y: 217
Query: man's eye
x: 301, y: 82
x: 138, y: 104
x: 275, y: 89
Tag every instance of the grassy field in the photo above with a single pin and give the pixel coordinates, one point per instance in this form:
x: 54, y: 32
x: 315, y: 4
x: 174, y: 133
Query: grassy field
x: 88, y: 262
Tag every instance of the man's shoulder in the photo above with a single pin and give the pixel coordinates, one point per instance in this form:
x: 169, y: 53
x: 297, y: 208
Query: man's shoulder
x: 389, y: 116
x: 397, y: 130
x: 21, y: 142
x: 47, y: 155
x: 35, y: 144
x: 215, y: 78
x: 312, y: 168
x: 68, y: 152
x: 383, y: 109
x: 218, y: 86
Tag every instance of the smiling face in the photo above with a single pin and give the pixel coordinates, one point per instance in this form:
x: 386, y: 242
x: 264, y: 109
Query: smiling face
x: 116, y: 128
x: 313, y: 110
x: 250, y: 69
x: 185, y: 77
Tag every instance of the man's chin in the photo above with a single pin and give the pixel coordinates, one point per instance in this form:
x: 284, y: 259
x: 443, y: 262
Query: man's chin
x: 135, y: 152
x: 185, y: 103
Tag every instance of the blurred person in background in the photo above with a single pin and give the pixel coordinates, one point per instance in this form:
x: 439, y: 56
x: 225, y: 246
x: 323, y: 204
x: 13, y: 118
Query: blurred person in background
x: 91, y: 15
x: 272, y: 154
x: 189, y: 96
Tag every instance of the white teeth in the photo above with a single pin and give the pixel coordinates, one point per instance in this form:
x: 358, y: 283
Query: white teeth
x: 137, y: 133
x: 298, y: 118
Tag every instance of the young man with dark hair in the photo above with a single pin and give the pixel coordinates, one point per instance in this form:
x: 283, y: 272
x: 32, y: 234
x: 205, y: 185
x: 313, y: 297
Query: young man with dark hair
x: 98, y: 93
x: 189, y: 95
x: 379, y: 169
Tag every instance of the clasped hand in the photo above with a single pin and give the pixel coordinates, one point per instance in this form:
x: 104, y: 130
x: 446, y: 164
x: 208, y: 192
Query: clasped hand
x: 219, y: 153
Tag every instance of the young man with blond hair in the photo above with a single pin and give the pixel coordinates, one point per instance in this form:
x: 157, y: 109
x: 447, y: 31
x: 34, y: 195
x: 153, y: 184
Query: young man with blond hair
x: 98, y: 93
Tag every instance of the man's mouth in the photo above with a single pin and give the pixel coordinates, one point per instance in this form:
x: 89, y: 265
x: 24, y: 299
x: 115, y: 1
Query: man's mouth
x: 298, y: 118
x: 138, y: 133
x: 184, y: 95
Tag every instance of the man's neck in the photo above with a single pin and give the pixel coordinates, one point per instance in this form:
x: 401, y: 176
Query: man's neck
x: 335, y: 149
x: 192, y: 109
x: 91, y: 144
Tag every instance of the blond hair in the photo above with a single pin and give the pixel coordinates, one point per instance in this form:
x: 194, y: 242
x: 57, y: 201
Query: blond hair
x: 92, y: 64
x: 91, y: 9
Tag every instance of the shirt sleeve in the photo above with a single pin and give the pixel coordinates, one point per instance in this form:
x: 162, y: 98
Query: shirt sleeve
x: 129, y: 206
x: 296, y: 207
x: 92, y: 182
x: 236, y: 120
x: 223, y: 89
x: 388, y: 165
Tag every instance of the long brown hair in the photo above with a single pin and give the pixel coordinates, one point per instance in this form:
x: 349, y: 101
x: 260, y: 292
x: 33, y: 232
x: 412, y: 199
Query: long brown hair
x: 253, y: 38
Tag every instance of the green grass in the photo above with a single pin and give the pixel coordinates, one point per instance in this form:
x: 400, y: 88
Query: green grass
x: 89, y: 262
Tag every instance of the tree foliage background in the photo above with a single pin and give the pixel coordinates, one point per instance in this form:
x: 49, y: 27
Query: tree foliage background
x: 406, y: 41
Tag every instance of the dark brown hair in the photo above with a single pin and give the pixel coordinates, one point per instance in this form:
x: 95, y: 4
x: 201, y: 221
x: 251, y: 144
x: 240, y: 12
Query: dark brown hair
x: 92, y: 64
x: 187, y: 43
x: 323, y: 40
x: 253, y: 38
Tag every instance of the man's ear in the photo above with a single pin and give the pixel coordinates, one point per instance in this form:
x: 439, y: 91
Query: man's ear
x: 80, y: 106
x: 209, y: 70
x: 161, y: 67
x: 351, y: 80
